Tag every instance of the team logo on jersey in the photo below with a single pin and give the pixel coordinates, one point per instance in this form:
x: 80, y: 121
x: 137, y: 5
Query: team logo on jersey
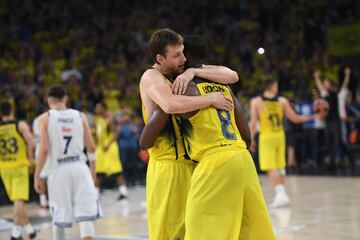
x: 66, y: 130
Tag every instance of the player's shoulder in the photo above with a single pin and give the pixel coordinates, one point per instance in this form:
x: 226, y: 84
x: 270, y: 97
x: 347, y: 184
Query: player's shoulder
x: 151, y: 74
x: 282, y: 99
x: 256, y: 99
x: 42, y: 118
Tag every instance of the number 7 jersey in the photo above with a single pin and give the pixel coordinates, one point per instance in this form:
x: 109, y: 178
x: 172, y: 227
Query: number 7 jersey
x: 66, y: 137
x: 212, y: 130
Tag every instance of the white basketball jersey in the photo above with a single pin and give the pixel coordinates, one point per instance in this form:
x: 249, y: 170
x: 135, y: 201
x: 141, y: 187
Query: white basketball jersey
x: 66, y: 137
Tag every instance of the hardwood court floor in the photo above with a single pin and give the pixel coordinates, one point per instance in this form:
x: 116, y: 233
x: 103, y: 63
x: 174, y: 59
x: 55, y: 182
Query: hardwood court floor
x: 321, y: 208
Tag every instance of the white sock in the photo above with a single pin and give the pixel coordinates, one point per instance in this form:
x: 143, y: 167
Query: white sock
x: 29, y: 228
x: 279, y: 188
x: 58, y: 233
x: 87, y: 229
x: 123, y: 190
x: 16, y: 231
x: 43, y: 200
x: 97, y: 191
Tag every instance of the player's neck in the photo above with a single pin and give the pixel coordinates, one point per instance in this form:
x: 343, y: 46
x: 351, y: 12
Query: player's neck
x: 164, y: 71
x: 7, y: 118
x: 269, y: 94
x: 58, y: 106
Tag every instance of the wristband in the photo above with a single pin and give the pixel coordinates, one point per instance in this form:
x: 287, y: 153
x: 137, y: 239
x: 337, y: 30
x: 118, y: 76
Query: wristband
x: 91, y: 156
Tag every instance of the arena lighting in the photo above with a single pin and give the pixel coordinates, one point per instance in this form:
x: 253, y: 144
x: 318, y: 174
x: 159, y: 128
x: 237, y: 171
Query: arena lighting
x: 261, y: 51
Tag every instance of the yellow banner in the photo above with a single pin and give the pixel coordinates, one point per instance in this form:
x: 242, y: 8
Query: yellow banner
x: 344, y: 40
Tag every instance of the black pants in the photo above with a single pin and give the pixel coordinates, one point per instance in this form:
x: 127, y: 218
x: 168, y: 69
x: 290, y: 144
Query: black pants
x: 309, y: 146
x: 333, y: 139
x: 130, y: 161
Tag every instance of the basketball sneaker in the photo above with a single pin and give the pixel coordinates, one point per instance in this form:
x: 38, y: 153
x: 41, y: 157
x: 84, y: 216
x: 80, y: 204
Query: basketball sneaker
x: 280, y: 200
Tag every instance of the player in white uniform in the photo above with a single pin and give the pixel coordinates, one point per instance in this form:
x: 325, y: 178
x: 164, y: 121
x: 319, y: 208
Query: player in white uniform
x: 43, y: 175
x: 64, y: 133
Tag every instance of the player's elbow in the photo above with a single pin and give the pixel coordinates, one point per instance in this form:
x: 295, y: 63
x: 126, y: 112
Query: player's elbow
x: 144, y: 145
x: 171, y: 107
x: 234, y: 77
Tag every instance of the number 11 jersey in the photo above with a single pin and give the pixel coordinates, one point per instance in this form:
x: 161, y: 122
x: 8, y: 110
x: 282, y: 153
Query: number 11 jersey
x: 271, y: 117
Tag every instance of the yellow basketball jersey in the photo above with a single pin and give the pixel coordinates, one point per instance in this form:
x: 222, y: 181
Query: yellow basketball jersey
x: 212, y: 129
x: 103, y: 135
x: 170, y: 144
x: 13, y: 149
x: 271, y: 118
x: 112, y: 99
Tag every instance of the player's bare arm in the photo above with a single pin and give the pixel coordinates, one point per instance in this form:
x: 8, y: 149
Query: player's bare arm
x: 153, y: 87
x: 29, y: 139
x: 89, y: 144
x: 153, y: 128
x: 291, y: 114
x: 346, y: 81
x: 43, y: 152
x: 114, y: 138
x: 158, y: 121
x: 218, y: 74
x: 319, y: 83
x: 254, y: 105
x: 241, y: 121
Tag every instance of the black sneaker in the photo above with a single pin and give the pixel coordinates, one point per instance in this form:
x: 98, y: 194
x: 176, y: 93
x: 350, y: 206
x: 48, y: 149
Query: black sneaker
x: 14, y: 238
x: 32, y: 236
x: 121, y: 197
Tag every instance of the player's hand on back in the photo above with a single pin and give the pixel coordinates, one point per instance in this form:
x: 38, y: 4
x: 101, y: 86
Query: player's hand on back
x: 181, y: 82
x: 221, y: 102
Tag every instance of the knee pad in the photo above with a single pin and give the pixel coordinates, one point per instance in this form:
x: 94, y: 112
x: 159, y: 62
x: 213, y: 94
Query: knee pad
x: 87, y: 229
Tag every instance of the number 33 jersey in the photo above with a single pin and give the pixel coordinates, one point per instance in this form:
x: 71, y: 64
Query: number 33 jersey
x: 13, y: 150
x: 66, y: 137
x: 211, y: 130
x: 271, y: 117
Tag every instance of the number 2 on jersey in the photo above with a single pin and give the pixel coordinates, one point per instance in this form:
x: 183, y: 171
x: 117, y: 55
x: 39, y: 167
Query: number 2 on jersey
x: 67, y: 143
x: 225, y: 120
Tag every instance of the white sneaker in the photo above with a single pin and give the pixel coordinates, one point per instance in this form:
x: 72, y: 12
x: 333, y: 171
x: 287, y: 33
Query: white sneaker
x: 280, y: 200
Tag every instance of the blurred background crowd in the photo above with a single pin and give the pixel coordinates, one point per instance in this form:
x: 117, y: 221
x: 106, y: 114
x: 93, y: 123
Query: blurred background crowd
x: 98, y: 50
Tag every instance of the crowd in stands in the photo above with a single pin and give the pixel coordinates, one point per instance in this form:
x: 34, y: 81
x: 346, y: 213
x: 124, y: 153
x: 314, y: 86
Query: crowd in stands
x: 98, y: 49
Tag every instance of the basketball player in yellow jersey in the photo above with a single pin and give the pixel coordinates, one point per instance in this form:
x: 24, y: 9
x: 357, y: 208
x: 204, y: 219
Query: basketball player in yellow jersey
x: 225, y: 200
x: 16, y: 154
x: 168, y: 179
x: 269, y: 109
x: 107, y: 150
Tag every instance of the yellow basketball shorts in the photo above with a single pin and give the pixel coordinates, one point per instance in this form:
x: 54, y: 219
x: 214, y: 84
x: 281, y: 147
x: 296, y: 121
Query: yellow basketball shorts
x: 16, y: 182
x: 225, y: 200
x: 167, y: 187
x: 272, y: 151
x: 108, y: 162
